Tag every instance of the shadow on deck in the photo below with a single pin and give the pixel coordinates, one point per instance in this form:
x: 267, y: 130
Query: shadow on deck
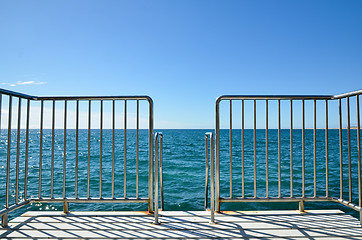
x: 317, y: 224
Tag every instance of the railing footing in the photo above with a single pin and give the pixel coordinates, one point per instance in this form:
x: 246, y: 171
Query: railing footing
x: 4, y: 220
x: 66, y: 207
x: 301, y: 206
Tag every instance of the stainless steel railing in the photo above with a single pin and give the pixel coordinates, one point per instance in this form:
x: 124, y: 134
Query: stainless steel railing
x: 45, y: 149
x: 283, y: 109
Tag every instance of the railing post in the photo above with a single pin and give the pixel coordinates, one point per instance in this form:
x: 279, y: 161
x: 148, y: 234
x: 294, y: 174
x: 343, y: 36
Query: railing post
x: 340, y: 151
x: 17, y: 155
x: 212, y: 183
x: 157, y: 137
x: 66, y: 207
x: 150, y: 157
x: 206, y: 169
x: 217, y: 159
x: 359, y: 157
x: 301, y: 206
x: 26, y: 151
x: 212, y: 175
x: 4, y: 220
x: 161, y: 171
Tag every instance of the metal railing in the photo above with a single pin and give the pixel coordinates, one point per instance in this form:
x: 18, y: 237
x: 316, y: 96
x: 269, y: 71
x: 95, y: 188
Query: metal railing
x: 288, y: 163
x: 89, y: 148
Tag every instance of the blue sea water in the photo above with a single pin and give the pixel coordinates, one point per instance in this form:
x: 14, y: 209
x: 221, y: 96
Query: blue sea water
x: 183, y: 168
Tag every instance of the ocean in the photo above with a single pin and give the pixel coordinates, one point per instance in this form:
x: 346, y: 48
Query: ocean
x: 183, y: 168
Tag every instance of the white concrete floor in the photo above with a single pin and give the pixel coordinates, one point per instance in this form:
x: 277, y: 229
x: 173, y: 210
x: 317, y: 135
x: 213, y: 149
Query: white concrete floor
x: 317, y: 224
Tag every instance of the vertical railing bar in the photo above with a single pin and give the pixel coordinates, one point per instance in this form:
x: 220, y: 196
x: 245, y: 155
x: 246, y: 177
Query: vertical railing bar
x: 4, y: 218
x: 26, y: 150
x: 315, y: 147
x: 206, y: 169
x: 291, y: 148
x: 267, y: 147
x: 349, y: 151
x: 254, y: 148
x: 161, y: 172
x: 89, y: 139
x: 101, y: 151
x: 17, y: 155
x: 65, y: 148
x: 279, y: 150
x: 137, y: 148
x: 340, y: 150
x: 230, y: 149
x: 76, y: 149
x: 359, y: 152
x: 212, y: 180
x: 212, y: 186
x: 113, y: 136
x: 327, y: 169
x: 125, y: 150
x: 52, y: 159
x: 41, y: 144
x: 1, y: 98
x: 303, y: 149
x: 8, y: 154
x: 150, y: 155
x: 242, y: 148
x: 156, y: 179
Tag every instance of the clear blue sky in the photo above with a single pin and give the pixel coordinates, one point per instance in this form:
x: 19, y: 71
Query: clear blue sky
x: 183, y: 54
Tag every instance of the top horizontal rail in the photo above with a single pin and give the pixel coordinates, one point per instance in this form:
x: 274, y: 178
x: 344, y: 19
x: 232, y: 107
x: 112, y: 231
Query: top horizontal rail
x: 21, y: 95
x: 16, y: 94
x: 288, y: 97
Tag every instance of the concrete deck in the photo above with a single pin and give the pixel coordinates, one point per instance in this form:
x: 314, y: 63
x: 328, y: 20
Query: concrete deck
x: 318, y: 224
